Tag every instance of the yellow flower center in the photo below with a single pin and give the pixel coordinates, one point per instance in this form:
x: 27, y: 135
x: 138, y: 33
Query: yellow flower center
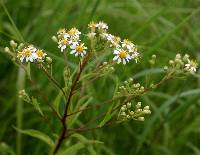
x: 122, y: 54
x: 193, y: 63
x: 61, y: 31
x: 40, y: 53
x: 65, y: 42
x: 79, y: 49
x: 92, y: 25
x: 73, y: 31
x: 27, y: 53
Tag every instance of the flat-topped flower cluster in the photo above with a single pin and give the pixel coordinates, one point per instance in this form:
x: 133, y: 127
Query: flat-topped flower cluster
x: 31, y: 54
x: 69, y: 40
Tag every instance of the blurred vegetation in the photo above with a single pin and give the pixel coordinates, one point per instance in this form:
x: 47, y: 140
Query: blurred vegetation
x: 157, y: 27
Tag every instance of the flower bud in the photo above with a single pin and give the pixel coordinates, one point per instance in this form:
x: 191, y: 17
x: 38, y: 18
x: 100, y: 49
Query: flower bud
x: 132, y: 113
x: 48, y: 60
x: 165, y: 68
x: 123, y: 109
x: 146, y: 108
x: 24, y: 96
x: 130, y: 79
x: 140, y: 119
x: 129, y: 105
x: 171, y: 62
x: 153, y: 56
x: 178, y: 56
x: 186, y: 57
x: 128, y: 116
x: 54, y: 38
x: 91, y: 35
x: 13, y: 44
x: 138, y: 105
x: 7, y: 49
x: 123, y: 114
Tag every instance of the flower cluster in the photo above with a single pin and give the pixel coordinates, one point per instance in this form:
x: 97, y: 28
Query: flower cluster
x: 71, y: 39
x: 127, y: 112
x: 129, y: 88
x: 31, y: 54
x: 105, y: 68
x: 182, y: 64
x: 124, y: 50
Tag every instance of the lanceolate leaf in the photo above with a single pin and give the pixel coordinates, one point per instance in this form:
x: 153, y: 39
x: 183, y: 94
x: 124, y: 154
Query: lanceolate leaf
x: 72, y: 149
x: 37, y: 134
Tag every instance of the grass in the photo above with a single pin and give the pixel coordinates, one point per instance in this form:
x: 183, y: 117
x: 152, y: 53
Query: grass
x: 160, y: 27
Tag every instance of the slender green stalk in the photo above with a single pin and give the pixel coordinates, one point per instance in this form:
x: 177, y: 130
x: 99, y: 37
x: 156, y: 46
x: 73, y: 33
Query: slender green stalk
x: 19, y: 109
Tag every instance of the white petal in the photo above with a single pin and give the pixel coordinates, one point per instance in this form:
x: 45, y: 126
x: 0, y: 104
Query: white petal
x: 72, y: 52
x: 119, y: 60
x: 116, y: 57
x: 124, y: 61
x: 116, y: 52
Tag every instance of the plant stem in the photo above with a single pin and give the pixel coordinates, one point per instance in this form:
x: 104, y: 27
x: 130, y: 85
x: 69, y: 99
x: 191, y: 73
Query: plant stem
x: 19, y: 109
x: 64, y: 134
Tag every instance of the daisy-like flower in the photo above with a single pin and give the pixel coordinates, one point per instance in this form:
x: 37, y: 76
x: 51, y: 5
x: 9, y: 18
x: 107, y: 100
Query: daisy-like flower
x: 31, y: 54
x: 40, y: 55
x: 128, y: 44
x: 92, y: 25
x: 135, y: 56
x: 115, y: 41
x: 62, y: 33
x: 191, y: 66
x: 121, y: 56
x: 27, y: 54
x: 102, y: 26
x: 74, y: 33
x: 63, y: 43
x: 91, y: 35
x: 78, y: 49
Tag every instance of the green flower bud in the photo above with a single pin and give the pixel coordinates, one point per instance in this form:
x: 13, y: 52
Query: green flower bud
x: 13, y: 44
x: 146, y: 108
x: 138, y: 105
x: 129, y: 105
x: 7, y: 49
x: 140, y: 119
x: 165, y: 68
x: 153, y: 56
x: 48, y: 60
x: 54, y: 38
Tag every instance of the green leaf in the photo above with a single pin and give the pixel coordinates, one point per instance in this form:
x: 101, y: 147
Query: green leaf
x: 72, y: 149
x: 57, y: 102
x: 37, y: 134
x: 36, y: 105
x: 6, y: 149
x: 85, y: 140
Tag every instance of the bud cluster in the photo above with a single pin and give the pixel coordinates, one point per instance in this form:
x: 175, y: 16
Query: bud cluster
x: 129, y: 88
x: 24, y: 96
x: 128, y: 112
x: 106, y: 68
x: 182, y: 64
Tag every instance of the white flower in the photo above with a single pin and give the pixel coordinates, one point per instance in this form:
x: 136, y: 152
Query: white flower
x: 121, y: 56
x: 135, y: 56
x: 91, y: 35
x: 78, y: 49
x: 115, y: 41
x: 63, y: 43
x: 92, y: 26
x: 40, y: 55
x: 31, y: 54
x: 102, y: 26
x: 74, y: 34
x: 191, y: 66
x: 128, y: 44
